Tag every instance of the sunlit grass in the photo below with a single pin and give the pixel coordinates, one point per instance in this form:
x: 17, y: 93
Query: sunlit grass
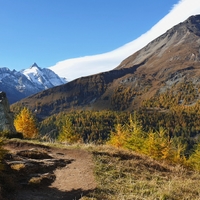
x: 123, y: 175
x: 18, y: 167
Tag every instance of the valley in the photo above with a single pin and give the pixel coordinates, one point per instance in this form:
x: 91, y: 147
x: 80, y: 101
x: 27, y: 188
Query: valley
x: 129, y: 133
x: 168, y: 61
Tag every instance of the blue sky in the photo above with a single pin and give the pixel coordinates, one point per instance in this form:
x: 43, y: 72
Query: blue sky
x: 49, y: 31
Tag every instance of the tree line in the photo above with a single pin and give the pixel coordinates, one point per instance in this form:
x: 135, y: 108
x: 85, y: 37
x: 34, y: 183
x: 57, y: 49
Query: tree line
x: 168, y: 124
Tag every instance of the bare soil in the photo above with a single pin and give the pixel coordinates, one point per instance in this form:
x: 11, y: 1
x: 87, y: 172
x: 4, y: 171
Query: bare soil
x: 72, y: 182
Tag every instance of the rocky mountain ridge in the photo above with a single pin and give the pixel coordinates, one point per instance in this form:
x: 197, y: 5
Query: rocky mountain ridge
x: 165, y: 63
x: 20, y: 84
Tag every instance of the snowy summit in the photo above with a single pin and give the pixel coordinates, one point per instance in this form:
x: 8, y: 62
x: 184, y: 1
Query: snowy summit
x: 45, y: 77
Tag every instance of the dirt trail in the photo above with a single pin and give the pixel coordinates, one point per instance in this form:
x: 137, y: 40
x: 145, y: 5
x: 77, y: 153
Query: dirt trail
x: 72, y: 181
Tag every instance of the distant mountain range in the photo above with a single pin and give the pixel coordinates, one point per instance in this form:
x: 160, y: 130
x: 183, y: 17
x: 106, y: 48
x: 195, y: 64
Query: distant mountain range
x: 20, y: 84
x: 171, y: 62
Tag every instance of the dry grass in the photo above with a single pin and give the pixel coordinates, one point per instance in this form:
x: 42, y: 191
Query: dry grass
x: 40, y: 179
x: 123, y: 175
x: 18, y: 166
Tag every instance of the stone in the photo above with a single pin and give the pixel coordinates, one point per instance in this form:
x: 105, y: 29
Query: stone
x: 32, y: 167
x: 6, y: 116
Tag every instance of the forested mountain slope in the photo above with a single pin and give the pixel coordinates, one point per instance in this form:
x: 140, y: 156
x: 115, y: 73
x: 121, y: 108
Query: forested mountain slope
x: 167, y: 70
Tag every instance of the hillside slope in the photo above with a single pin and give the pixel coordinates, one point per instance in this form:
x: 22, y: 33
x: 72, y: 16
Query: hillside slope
x: 171, y: 59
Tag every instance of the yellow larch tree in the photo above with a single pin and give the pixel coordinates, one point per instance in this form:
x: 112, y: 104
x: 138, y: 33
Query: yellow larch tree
x: 25, y: 123
x: 118, y: 137
x: 68, y: 134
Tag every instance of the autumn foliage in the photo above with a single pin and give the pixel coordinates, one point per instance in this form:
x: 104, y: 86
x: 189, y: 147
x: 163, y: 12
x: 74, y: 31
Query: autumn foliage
x: 67, y: 134
x: 25, y: 123
x: 156, y: 144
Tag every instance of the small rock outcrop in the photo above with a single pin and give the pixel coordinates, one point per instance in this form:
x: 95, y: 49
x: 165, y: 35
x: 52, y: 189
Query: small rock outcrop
x: 6, y: 116
x: 33, y: 167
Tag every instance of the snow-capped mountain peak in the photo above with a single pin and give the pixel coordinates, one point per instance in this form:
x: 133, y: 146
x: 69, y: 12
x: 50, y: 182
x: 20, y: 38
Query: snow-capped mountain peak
x: 4, y: 72
x: 44, y: 77
x: 20, y: 84
x: 35, y: 65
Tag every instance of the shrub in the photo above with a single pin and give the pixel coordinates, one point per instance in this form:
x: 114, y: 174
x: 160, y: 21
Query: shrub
x: 25, y: 123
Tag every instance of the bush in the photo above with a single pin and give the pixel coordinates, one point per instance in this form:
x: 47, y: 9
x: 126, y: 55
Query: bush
x: 194, y: 159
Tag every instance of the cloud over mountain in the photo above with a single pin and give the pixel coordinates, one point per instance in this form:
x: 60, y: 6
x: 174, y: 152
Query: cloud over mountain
x: 88, y: 65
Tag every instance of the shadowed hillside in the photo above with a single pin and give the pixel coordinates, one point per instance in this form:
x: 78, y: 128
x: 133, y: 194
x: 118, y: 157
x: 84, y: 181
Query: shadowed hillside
x: 171, y: 59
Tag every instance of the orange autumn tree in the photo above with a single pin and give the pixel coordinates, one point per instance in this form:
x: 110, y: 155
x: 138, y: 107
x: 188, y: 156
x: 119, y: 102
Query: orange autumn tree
x: 25, y: 123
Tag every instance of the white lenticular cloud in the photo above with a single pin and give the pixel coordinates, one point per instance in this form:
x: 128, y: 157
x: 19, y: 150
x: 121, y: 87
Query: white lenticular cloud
x: 88, y: 65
